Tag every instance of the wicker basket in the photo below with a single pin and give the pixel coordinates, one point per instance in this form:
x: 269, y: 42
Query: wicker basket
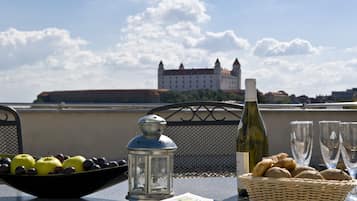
x: 295, y: 189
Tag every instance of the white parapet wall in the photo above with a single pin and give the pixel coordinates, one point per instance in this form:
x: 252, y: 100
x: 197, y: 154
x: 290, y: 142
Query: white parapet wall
x: 106, y: 131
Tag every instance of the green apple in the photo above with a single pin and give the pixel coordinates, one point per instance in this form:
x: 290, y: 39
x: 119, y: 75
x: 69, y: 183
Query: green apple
x: 48, y: 164
x: 22, y: 160
x: 76, y: 162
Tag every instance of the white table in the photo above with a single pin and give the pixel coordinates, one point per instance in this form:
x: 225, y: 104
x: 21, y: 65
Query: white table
x: 217, y: 188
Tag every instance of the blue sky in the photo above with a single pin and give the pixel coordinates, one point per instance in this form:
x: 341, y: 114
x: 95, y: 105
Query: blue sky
x: 319, y: 21
x: 303, y: 47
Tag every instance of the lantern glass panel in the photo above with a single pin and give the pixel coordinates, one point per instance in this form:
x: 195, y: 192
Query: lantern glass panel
x: 138, y: 173
x: 159, y: 181
x: 171, y: 166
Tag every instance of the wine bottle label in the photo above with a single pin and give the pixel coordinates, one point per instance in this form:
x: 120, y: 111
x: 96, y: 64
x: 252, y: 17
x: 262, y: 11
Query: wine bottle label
x: 242, y: 160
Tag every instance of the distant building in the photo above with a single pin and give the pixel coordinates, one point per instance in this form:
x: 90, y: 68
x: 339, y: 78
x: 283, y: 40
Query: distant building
x: 303, y: 99
x: 216, y: 78
x: 347, y: 95
x: 277, y: 97
x: 101, y: 96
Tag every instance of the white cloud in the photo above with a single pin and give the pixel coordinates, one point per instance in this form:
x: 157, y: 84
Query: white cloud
x: 165, y: 31
x: 300, y: 76
x: 184, y: 32
x: 173, y: 11
x: 222, y: 41
x: 268, y: 47
x: 352, y: 63
x: 351, y: 50
x: 171, y: 31
x: 28, y: 47
x: 51, y: 59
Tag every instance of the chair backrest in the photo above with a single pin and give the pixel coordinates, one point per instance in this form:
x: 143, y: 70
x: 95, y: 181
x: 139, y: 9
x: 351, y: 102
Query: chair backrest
x: 205, y: 133
x: 10, y: 131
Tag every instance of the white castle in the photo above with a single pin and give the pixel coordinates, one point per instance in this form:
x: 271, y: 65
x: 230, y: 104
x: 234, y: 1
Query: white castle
x: 216, y: 78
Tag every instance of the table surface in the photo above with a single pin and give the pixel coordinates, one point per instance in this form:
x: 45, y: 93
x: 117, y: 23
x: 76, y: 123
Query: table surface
x: 203, y: 186
x: 217, y: 188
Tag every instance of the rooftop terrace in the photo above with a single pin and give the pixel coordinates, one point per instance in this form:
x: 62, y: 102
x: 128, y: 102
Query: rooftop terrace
x: 105, y: 129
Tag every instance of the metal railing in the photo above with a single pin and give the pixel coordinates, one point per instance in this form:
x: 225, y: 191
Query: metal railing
x: 82, y: 106
x: 336, y: 105
x: 116, y: 127
x: 148, y: 106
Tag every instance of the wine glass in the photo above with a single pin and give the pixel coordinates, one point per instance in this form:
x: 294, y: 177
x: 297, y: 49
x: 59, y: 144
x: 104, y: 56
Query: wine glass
x: 330, y: 142
x: 301, y: 141
x: 348, y: 139
x: 349, y: 146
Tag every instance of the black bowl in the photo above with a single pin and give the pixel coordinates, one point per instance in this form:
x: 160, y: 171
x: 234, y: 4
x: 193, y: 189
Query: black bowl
x: 67, y: 186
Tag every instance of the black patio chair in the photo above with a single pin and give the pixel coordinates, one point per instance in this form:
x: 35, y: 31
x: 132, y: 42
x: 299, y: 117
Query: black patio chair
x: 10, y: 131
x: 205, y: 133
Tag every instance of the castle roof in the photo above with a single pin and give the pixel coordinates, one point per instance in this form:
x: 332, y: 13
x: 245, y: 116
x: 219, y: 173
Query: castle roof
x: 197, y: 71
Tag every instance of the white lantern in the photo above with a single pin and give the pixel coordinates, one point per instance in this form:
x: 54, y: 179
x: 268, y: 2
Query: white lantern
x: 150, y: 159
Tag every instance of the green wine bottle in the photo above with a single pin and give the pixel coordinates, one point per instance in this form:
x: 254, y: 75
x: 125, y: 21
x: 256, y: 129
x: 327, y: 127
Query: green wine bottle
x: 252, y: 141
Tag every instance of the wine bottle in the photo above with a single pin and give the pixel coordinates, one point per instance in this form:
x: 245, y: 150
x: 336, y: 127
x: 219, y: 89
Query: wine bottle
x: 252, y: 141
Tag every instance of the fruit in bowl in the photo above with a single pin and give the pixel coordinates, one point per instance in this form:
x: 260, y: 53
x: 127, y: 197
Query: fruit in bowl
x: 60, y: 164
x: 76, y: 162
x: 25, y: 160
x: 46, y: 165
x: 71, y: 184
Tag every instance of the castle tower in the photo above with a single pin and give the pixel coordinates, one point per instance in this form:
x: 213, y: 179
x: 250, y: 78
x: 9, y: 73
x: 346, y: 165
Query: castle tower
x: 236, y: 71
x: 217, y: 65
x: 160, y: 73
x: 217, y: 72
x: 181, y: 67
x: 161, y: 66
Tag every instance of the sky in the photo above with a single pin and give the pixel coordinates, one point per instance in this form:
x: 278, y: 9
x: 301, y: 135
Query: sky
x: 301, y: 47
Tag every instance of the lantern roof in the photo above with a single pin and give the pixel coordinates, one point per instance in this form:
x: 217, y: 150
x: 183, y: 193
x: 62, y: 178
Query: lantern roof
x: 151, y: 118
x: 142, y: 143
x: 152, y: 127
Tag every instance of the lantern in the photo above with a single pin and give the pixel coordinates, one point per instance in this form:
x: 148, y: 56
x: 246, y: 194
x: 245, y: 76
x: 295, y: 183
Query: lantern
x: 150, y: 159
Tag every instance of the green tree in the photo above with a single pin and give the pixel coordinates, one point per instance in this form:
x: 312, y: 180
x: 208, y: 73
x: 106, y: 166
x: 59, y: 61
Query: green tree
x: 199, y: 95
